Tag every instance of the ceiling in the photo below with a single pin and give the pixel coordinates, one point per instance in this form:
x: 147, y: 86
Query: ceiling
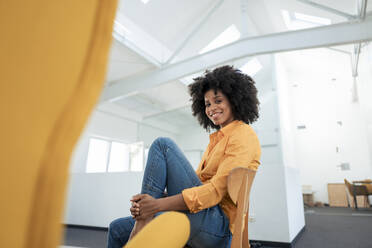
x: 155, y: 30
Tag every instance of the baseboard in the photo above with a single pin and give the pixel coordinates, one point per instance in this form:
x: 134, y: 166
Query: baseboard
x: 253, y: 243
x: 260, y: 243
x: 87, y: 227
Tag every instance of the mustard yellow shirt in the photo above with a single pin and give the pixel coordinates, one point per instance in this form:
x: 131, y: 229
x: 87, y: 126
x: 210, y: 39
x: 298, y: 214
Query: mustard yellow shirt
x: 235, y: 145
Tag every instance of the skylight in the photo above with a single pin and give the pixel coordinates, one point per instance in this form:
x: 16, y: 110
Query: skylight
x: 230, y: 34
x: 312, y: 19
x: 251, y: 67
x: 295, y: 21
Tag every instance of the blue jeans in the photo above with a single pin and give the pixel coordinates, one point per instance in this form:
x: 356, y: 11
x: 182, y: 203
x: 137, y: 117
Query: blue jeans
x: 167, y: 168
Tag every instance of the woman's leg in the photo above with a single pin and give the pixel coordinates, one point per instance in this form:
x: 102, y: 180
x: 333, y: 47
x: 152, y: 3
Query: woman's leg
x: 167, y: 168
x: 119, y: 231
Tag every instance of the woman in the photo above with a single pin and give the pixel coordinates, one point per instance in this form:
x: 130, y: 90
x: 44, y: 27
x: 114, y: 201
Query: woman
x: 224, y: 99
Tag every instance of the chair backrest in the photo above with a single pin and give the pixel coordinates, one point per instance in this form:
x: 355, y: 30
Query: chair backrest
x: 239, y: 184
x: 349, y: 187
x: 356, y: 189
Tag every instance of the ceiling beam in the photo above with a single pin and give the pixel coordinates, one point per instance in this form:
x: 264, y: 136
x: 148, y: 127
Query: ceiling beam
x: 124, y: 41
x: 170, y: 109
x: 328, y: 9
x: 331, y: 35
x: 194, y: 31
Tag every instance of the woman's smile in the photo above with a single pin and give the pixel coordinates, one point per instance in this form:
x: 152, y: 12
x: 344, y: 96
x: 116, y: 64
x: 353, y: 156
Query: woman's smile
x: 217, y: 108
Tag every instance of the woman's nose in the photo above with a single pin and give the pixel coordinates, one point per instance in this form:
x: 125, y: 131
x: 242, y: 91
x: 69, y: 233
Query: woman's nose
x: 212, y: 107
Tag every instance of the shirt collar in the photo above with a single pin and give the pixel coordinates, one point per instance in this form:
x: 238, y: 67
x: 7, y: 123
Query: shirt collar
x: 226, y: 130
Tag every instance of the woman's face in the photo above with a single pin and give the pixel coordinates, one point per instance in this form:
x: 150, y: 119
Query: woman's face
x: 218, y: 108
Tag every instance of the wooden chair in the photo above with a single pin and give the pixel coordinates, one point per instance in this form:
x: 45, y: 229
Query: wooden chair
x: 239, y: 184
x: 357, y: 190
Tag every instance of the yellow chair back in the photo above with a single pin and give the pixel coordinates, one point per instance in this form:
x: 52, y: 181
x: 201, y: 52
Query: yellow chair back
x: 169, y: 230
x: 53, y: 57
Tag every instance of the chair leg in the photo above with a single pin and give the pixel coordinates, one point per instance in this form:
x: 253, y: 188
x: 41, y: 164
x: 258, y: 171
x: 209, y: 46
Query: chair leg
x: 355, y: 200
x: 366, y: 202
x: 245, y: 232
x: 237, y: 240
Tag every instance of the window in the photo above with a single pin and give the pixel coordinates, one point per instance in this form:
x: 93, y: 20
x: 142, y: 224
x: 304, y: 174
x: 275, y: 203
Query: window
x: 136, y: 156
x: 231, y: 34
x: 119, y: 157
x: 97, y: 155
x: 251, y: 67
x: 295, y: 20
x: 113, y: 156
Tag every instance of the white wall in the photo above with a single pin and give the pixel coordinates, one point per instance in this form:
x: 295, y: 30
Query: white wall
x: 95, y: 199
x: 364, y: 83
x: 296, y: 217
x: 318, y: 99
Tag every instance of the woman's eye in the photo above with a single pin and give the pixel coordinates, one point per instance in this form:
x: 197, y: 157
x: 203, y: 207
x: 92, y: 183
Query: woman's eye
x: 218, y: 101
x: 207, y: 104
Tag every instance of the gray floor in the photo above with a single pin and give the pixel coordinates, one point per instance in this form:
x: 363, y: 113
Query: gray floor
x: 336, y: 227
x: 325, y: 228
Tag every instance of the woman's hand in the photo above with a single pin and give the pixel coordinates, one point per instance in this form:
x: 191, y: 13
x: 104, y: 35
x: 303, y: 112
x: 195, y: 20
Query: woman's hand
x: 144, y: 206
x: 134, y: 210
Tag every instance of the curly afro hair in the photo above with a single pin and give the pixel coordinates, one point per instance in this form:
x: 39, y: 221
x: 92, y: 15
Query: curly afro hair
x: 238, y: 87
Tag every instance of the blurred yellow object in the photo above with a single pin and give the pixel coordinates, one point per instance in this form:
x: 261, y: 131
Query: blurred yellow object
x: 169, y: 230
x: 53, y: 57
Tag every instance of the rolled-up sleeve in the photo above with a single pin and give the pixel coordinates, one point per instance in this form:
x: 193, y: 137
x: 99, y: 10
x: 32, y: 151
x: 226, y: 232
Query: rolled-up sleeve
x: 240, y: 151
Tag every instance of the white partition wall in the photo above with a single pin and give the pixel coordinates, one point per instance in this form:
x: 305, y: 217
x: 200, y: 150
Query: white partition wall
x: 329, y: 129
x: 95, y: 199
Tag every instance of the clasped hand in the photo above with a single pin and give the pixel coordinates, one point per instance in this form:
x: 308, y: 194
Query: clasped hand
x: 143, y: 206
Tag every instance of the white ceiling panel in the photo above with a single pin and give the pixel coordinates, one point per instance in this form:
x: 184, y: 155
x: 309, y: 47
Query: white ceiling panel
x: 123, y: 62
x: 170, y: 22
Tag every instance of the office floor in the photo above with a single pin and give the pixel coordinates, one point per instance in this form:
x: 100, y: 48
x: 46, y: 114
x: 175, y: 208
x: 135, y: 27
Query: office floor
x: 325, y: 227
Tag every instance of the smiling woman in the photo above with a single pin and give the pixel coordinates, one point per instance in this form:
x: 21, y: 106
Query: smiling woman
x: 224, y: 99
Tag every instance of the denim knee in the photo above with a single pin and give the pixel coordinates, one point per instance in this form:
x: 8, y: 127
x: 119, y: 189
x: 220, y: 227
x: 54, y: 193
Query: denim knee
x: 112, y: 230
x: 163, y: 141
x: 120, y: 227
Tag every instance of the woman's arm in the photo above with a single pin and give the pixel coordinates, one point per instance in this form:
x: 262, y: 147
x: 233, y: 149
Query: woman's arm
x: 144, y: 205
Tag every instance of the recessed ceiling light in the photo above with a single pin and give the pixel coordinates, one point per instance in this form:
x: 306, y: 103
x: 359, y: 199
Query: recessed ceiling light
x: 145, y: 1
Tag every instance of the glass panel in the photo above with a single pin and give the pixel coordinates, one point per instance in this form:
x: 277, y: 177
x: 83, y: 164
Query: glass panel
x: 251, y: 67
x: 119, y: 157
x: 146, y: 155
x: 136, y: 156
x: 97, y: 156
